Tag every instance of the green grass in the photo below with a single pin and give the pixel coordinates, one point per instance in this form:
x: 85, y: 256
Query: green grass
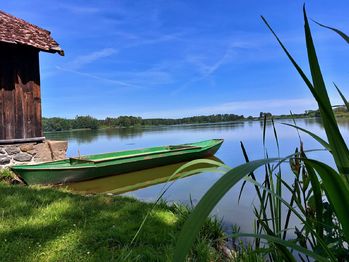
x: 44, y: 224
x: 6, y: 175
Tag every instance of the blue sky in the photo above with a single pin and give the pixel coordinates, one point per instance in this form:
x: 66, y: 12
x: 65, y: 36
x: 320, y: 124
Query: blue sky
x: 182, y: 58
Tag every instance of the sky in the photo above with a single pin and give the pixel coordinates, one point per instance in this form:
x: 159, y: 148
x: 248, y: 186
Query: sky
x: 182, y: 58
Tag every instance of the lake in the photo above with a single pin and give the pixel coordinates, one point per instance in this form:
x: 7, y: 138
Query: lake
x: 190, y: 189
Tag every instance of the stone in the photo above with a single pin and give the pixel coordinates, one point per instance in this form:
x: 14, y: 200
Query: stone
x: 229, y: 252
x: 58, y: 149
x: 42, y: 152
x: 26, y: 147
x: 12, y: 150
x: 33, y: 152
x: 4, y: 160
x: 22, y: 157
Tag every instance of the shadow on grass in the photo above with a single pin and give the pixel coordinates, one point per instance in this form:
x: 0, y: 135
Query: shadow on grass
x: 51, y: 225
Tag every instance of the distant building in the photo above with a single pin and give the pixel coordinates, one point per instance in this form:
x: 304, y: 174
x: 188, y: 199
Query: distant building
x: 20, y: 99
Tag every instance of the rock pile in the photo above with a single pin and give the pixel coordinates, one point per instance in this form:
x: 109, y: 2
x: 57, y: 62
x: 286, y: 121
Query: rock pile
x: 32, y: 152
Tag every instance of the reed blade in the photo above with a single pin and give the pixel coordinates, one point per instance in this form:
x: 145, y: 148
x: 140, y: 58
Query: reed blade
x: 316, y: 137
x: 337, y: 191
x: 345, y: 101
x: 339, y: 32
x: 285, y: 243
x: 208, y: 202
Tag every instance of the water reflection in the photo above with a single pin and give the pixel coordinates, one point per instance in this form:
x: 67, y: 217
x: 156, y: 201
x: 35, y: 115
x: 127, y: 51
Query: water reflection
x: 136, y: 180
x: 88, y: 136
x: 192, y: 188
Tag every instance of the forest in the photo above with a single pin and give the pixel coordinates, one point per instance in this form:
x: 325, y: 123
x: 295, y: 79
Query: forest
x: 89, y: 122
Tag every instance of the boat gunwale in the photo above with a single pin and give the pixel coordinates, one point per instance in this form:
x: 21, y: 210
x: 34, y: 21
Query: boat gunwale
x: 218, y: 141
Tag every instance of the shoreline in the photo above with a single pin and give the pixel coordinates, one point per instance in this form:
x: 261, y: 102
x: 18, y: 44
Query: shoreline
x: 181, y: 125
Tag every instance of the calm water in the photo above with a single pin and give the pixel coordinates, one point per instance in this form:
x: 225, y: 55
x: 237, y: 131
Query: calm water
x: 193, y: 187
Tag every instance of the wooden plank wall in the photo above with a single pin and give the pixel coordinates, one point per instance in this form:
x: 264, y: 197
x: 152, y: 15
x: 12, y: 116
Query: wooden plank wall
x: 20, y: 101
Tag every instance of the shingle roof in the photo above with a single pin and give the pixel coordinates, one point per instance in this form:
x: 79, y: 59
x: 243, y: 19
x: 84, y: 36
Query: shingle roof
x: 17, y: 31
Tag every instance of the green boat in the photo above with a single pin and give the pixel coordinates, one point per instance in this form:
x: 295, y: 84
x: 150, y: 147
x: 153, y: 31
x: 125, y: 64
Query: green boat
x: 95, y: 166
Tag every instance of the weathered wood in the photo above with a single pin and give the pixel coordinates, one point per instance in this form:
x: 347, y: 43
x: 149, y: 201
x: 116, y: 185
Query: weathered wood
x: 2, y: 124
x: 22, y: 140
x: 20, y: 101
x: 19, y: 132
x: 37, y: 97
x: 9, y: 104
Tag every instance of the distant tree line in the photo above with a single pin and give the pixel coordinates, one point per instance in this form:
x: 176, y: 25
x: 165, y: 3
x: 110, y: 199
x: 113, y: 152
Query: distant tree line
x: 89, y: 122
x: 61, y: 124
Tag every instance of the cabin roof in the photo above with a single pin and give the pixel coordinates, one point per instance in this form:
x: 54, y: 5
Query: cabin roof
x: 14, y: 30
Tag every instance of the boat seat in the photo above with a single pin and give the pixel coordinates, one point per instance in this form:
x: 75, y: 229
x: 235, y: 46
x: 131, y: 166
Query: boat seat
x: 182, y: 147
x: 79, y: 160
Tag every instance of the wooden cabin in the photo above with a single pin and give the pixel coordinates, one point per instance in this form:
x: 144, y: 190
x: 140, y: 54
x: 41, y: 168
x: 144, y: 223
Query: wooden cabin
x: 20, y: 100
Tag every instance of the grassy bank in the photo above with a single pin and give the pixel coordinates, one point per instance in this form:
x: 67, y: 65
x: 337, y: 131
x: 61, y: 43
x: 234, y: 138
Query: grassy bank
x: 44, y: 224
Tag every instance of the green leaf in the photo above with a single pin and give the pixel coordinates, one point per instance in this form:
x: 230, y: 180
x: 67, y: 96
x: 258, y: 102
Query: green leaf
x: 343, y: 97
x: 338, y: 147
x: 337, y: 191
x: 315, y: 185
x: 166, y: 186
x: 281, y: 249
x: 343, y: 35
x: 285, y: 243
x: 296, y: 212
x: 317, y: 138
x: 208, y: 202
x: 264, y: 129
x: 251, y: 175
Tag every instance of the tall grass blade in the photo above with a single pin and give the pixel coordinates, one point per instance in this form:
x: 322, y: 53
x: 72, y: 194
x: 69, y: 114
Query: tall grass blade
x: 315, y: 185
x: 295, y: 124
x: 264, y: 129
x: 208, y: 202
x: 299, y: 216
x: 336, y: 141
x: 316, y: 137
x: 343, y: 97
x: 285, y: 243
x: 167, y: 186
x: 327, y: 113
x: 343, y: 35
x: 339, y: 149
x: 337, y: 191
x: 288, y: 215
x: 251, y: 175
x: 278, y: 185
x: 276, y: 137
x: 285, y: 253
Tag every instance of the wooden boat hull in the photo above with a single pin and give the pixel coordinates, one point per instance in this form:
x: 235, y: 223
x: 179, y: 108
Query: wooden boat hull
x: 96, y: 166
x: 138, y: 179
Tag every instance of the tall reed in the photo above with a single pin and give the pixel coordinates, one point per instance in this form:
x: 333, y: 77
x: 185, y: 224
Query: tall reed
x: 319, y: 193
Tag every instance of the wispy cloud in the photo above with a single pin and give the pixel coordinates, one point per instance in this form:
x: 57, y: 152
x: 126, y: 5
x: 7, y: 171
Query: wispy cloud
x: 147, y: 78
x: 157, y: 75
x: 78, y: 9
x: 84, y: 60
x: 252, y: 107
x: 206, y: 69
x: 107, y: 80
x: 153, y: 39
